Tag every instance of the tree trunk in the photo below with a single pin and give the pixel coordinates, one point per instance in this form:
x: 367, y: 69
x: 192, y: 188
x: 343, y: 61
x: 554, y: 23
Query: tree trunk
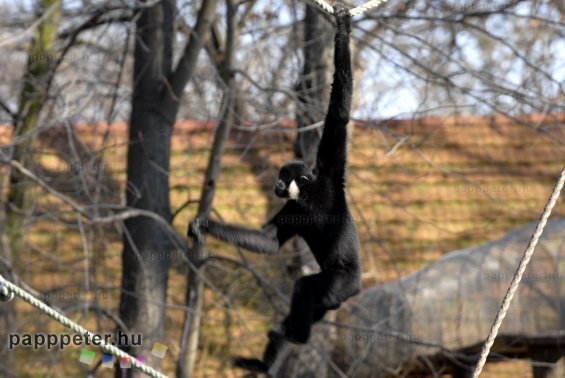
x: 144, y: 280
x: 32, y: 98
x: 156, y: 94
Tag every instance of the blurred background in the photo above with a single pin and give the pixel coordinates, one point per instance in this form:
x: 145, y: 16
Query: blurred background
x: 121, y: 120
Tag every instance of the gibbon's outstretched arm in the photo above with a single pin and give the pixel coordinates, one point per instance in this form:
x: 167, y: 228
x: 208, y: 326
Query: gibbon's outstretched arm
x: 267, y: 240
x: 332, y: 151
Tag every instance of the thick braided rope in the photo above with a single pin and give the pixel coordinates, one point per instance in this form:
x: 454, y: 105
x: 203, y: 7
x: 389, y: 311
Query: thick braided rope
x: 325, y: 6
x: 8, y: 289
x: 518, y: 275
x: 367, y: 6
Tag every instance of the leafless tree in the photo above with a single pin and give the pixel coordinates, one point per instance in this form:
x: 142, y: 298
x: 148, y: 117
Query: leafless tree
x: 158, y: 87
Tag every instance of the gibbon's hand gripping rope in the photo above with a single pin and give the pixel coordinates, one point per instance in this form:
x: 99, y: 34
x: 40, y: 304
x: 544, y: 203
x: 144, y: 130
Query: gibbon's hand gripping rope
x: 355, y: 11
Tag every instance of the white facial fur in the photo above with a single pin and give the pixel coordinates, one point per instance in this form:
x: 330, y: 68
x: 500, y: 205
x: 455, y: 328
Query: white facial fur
x: 293, y: 191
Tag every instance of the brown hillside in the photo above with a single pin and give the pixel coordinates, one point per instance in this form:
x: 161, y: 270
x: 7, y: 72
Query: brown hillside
x: 418, y: 188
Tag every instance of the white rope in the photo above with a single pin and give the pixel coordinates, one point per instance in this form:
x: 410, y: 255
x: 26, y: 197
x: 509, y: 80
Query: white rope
x: 325, y: 6
x: 8, y: 289
x: 367, y: 6
x: 518, y: 275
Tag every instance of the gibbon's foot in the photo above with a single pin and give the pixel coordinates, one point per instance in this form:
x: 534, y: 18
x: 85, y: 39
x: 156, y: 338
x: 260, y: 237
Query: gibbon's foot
x: 274, y: 346
x: 251, y: 364
x: 342, y: 16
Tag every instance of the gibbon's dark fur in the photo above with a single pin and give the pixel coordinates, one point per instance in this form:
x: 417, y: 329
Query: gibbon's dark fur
x: 316, y: 210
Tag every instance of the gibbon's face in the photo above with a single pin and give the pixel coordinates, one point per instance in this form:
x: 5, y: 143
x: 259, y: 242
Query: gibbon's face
x: 294, y: 177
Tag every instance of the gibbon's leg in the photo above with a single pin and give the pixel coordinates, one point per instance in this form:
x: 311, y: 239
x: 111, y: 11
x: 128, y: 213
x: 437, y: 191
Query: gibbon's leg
x: 343, y: 285
x: 297, y: 325
x: 313, y: 296
x: 274, y: 346
x: 295, y: 328
x: 319, y: 314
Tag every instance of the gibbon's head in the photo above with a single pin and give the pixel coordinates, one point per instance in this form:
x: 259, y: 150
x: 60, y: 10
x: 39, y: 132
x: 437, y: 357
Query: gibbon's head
x: 294, y: 177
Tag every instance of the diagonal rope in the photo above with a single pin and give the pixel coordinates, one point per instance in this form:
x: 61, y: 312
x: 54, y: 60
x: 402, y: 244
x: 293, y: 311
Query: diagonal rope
x: 7, y: 291
x: 518, y: 275
x: 366, y: 7
x: 326, y: 7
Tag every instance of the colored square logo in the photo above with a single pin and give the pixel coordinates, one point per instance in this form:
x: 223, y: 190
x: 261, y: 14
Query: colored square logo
x: 159, y: 350
x: 108, y: 360
x: 87, y: 356
x: 141, y: 359
x: 125, y: 363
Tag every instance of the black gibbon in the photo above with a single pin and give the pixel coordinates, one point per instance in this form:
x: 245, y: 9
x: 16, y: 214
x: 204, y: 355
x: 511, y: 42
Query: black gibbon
x: 316, y: 210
